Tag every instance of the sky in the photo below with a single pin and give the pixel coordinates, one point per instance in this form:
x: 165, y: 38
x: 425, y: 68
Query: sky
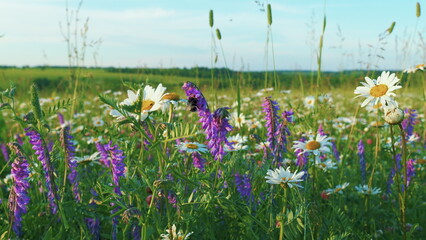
x: 171, y: 33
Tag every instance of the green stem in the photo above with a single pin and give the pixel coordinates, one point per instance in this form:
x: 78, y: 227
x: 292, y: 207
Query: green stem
x: 376, y: 152
x: 404, y: 199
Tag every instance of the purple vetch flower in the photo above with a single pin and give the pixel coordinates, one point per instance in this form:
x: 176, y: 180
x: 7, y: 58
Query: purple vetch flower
x: 393, y: 172
x: 69, y: 149
x: 282, y: 133
x: 172, y: 199
x: 44, y: 157
x: 197, y: 102
x: 148, y: 133
x: 112, y: 157
x: 4, y: 152
x: 198, y: 161
x: 136, y: 231
x: 336, y: 152
x: 301, y: 159
x: 243, y: 184
x: 104, y: 159
x: 409, y: 121
x: 94, y: 226
x: 270, y: 108
x: 19, y: 139
x: 18, y: 198
x: 411, y: 170
x: 361, y: 155
x: 321, y: 130
x: 61, y: 118
x: 219, y: 129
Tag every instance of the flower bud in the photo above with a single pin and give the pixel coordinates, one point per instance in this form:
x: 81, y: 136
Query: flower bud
x: 394, y: 115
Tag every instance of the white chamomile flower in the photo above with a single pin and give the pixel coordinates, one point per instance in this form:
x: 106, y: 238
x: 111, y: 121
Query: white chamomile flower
x: 172, y: 234
x: 238, y: 120
x: 321, y: 144
x: 151, y: 99
x: 338, y: 189
x: 365, y: 190
x: 132, y: 98
x: 284, y: 177
x: 236, y: 143
x: 309, y: 102
x: 380, y: 90
x: 325, y: 165
x: 191, y: 147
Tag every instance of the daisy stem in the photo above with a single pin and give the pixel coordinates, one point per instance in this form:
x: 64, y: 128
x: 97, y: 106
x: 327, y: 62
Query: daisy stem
x: 398, y: 181
x: 376, y: 152
x: 170, y: 113
x: 283, y: 215
x: 404, y: 199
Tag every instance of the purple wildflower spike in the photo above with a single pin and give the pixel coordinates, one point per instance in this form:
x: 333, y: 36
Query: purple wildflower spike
x: 61, y: 118
x: 361, y: 155
x: 44, y: 158
x: 112, y: 156
x: 321, y: 130
x: 19, y: 199
x: 69, y: 148
x: 302, y: 159
x: 4, y: 152
x: 411, y: 170
x: 409, y: 121
x: 104, y: 159
x: 219, y: 129
x: 392, y: 173
x: 93, y: 224
x: 282, y: 133
x: 243, y: 184
x: 19, y: 139
x: 270, y: 108
x: 198, y: 103
x: 198, y: 161
x: 336, y: 152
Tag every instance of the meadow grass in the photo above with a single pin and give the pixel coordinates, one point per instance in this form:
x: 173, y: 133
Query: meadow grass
x: 227, y: 199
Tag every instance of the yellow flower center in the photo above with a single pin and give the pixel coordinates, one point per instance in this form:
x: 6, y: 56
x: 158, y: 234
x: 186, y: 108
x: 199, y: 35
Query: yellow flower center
x: 192, y: 146
x: 147, y: 105
x: 233, y: 142
x: 313, y: 145
x: 420, y: 66
x: 379, y: 90
x: 284, y: 179
x: 338, y: 190
x: 171, y: 96
x: 377, y: 106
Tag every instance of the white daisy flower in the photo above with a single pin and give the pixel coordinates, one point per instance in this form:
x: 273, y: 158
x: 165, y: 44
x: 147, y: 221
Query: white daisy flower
x: 236, y: 143
x: 284, y: 177
x: 253, y: 123
x: 414, y: 69
x: 309, y: 101
x: 94, y: 139
x: 88, y: 158
x: 326, y: 165
x: 379, y: 90
x: 365, y: 190
x: 97, y: 121
x: 238, y: 120
x: 171, y: 234
x: 132, y: 98
x: 321, y: 144
x: 170, y: 99
x: 338, y: 189
x: 152, y: 99
x: 191, y: 147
